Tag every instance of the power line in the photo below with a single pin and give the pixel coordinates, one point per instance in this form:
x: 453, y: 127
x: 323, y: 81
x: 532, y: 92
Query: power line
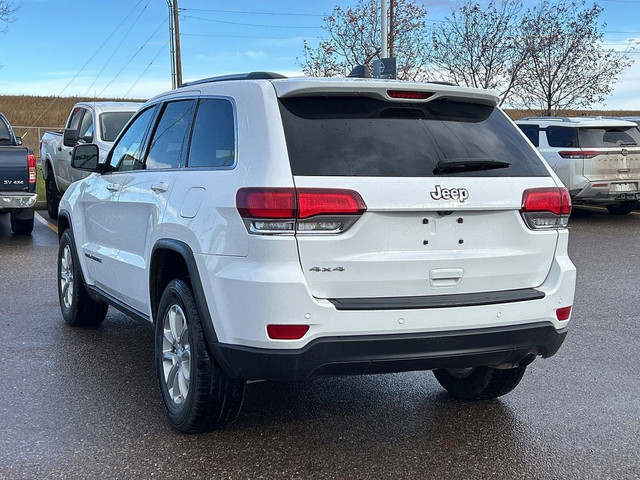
x: 85, y: 65
x: 146, y: 69
x: 217, y: 35
x: 247, y: 24
x: 252, y: 13
x: 133, y: 56
x: 115, y: 50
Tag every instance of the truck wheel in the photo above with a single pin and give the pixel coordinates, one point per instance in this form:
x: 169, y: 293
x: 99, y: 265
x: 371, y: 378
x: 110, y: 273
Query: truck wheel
x: 198, y: 396
x: 21, y: 226
x: 53, y: 196
x: 622, y: 208
x: 78, y: 308
x: 479, y: 383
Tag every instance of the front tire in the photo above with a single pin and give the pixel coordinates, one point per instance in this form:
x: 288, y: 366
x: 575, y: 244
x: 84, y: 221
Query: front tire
x: 78, y: 308
x: 21, y: 226
x: 622, y: 208
x: 53, y: 196
x: 198, y: 396
x: 479, y: 383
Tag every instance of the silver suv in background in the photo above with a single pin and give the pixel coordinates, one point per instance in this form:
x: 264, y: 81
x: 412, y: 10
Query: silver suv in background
x: 597, y: 158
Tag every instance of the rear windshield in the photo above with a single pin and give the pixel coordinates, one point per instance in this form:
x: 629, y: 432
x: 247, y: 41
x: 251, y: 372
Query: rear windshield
x: 362, y: 136
x: 593, y: 137
x: 112, y: 123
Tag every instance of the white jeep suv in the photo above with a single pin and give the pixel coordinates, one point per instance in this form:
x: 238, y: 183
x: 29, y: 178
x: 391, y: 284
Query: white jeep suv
x: 278, y: 229
x: 597, y: 158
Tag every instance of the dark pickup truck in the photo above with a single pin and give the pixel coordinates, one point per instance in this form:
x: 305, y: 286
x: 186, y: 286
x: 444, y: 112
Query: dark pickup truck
x: 17, y: 180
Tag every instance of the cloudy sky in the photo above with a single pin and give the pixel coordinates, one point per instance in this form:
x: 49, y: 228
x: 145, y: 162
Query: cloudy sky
x: 120, y: 48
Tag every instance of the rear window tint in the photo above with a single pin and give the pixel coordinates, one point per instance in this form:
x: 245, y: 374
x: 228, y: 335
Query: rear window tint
x: 213, y: 138
x: 608, y: 137
x: 532, y: 132
x: 562, y: 137
x: 362, y: 136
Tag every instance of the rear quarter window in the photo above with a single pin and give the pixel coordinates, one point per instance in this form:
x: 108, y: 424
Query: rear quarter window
x: 532, y: 132
x: 363, y: 136
x: 213, y: 138
x: 562, y: 137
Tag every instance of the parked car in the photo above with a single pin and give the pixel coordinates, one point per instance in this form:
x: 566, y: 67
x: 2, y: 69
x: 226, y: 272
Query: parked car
x: 280, y: 228
x: 597, y: 158
x: 88, y: 122
x: 18, y: 178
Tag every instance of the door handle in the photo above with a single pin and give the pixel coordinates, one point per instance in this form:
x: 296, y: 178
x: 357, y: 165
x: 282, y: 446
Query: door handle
x: 159, y: 187
x: 113, y: 187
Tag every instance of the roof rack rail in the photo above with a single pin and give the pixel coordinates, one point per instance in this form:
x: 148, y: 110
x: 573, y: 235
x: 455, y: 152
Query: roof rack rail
x: 238, y: 76
x: 547, y: 117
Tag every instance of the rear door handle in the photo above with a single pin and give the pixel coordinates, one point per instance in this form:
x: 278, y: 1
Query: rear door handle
x: 113, y: 187
x: 159, y: 187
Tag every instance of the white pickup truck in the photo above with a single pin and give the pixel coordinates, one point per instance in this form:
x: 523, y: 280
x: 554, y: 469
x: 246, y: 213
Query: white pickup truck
x: 89, y: 122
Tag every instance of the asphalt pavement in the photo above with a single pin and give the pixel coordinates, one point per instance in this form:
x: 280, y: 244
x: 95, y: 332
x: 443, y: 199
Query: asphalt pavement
x: 84, y: 403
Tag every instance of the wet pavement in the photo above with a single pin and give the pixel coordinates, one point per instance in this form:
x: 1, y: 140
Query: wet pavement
x: 83, y: 403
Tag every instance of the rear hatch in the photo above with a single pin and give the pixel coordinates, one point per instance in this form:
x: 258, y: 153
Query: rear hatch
x: 610, y: 153
x: 442, y: 178
x: 14, y: 171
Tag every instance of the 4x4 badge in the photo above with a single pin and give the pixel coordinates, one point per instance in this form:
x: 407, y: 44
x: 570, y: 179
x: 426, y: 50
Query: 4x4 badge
x: 459, y: 194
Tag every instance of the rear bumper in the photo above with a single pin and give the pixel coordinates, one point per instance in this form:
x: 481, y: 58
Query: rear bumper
x: 591, y: 194
x: 17, y: 200
x: 356, y: 355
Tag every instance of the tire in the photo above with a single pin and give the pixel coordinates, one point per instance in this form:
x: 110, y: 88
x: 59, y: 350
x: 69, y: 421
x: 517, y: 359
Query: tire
x: 198, y: 396
x: 21, y: 226
x: 479, y: 383
x: 78, y: 308
x: 53, y: 196
x: 622, y: 208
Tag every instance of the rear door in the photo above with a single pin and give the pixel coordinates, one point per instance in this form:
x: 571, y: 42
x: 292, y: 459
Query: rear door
x: 611, y: 153
x: 443, y: 185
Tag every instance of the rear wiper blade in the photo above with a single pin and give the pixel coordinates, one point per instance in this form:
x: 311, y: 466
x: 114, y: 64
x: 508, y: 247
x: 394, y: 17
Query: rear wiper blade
x: 627, y: 144
x: 467, y: 165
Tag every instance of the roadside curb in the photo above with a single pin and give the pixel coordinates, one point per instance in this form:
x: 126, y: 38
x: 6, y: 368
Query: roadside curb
x: 40, y: 205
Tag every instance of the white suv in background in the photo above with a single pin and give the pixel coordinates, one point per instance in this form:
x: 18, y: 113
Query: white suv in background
x: 597, y: 158
x: 279, y: 229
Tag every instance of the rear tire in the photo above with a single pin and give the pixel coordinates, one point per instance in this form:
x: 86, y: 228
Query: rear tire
x: 479, y: 383
x: 53, y: 196
x: 21, y: 226
x: 622, y: 208
x: 198, y: 396
x: 78, y: 308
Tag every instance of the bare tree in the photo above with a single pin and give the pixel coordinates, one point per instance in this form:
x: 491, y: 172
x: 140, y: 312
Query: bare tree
x: 567, y: 66
x: 353, y: 38
x: 7, y: 9
x: 477, y: 46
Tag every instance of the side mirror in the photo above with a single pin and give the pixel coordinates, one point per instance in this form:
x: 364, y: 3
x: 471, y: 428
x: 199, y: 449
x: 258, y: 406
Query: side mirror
x: 85, y: 157
x: 18, y: 141
x: 70, y: 137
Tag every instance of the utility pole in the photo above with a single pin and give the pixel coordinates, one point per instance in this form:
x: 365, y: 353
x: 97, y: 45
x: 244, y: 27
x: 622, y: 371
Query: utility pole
x: 174, y: 39
x: 392, y: 36
x: 176, y: 30
x: 384, y: 31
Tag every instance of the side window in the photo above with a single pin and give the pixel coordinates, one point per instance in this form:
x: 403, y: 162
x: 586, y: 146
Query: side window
x: 532, y: 132
x: 76, y: 116
x: 213, y: 140
x: 562, y: 137
x: 85, y: 132
x: 127, y: 153
x: 167, y: 148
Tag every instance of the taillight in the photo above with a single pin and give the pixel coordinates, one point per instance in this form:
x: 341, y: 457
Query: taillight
x: 580, y: 154
x: 31, y: 163
x: 285, y: 211
x: 287, y: 332
x: 409, y: 95
x: 546, y: 208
